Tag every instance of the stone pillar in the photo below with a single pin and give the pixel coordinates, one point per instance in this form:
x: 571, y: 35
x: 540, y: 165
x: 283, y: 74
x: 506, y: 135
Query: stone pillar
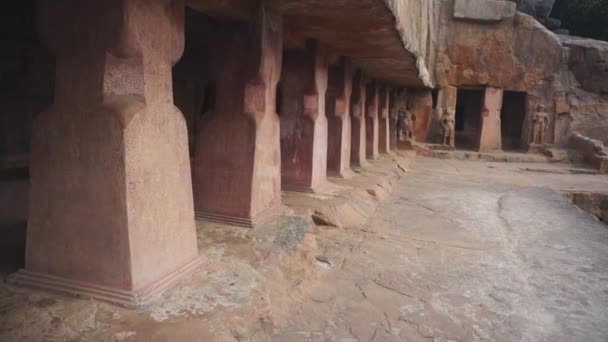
x: 111, y: 214
x: 371, y: 119
x: 303, y: 122
x: 340, y: 78
x: 421, y: 103
x: 357, y: 155
x: 384, y: 121
x: 446, y: 99
x: 490, y: 137
x: 237, y: 162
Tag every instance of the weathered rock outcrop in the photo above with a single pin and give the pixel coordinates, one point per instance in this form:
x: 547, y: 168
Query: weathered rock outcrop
x: 593, y: 151
x: 568, y: 75
x: 589, y: 63
x: 516, y: 53
x: 584, y: 106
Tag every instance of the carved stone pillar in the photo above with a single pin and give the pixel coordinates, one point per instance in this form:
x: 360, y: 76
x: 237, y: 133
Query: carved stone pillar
x: 357, y: 155
x: 237, y: 162
x: 371, y: 120
x: 340, y: 80
x: 303, y: 121
x: 384, y: 121
x: 111, y: 214
x: 490, y: 136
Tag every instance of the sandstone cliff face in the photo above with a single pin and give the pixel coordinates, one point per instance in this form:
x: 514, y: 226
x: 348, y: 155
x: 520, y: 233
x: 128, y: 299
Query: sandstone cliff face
x: 568, y: 76
x: 516, y: 53
x: 589, y: 63
x: 585, y: 109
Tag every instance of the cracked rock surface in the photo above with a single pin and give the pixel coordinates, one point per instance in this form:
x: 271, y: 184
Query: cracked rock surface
x: 451, y: 251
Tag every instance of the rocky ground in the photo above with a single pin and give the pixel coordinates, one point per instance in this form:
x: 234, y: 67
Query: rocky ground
x: 448, y: 251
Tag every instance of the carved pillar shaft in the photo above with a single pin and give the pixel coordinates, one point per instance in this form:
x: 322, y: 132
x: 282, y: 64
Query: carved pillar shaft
x: 358, y: 149
x: 338, y: 117
x: 237, y: 165
x: 371, y: 119
x: 490, y: 137
x: 111, y: 214
x: 303, y: 121
x: 384, y: 121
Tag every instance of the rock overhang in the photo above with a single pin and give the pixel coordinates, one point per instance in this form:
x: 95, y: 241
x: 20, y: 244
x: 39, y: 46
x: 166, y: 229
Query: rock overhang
x: 370, y: 32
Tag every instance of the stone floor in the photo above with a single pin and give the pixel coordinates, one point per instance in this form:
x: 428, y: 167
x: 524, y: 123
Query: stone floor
x: 449, y: 251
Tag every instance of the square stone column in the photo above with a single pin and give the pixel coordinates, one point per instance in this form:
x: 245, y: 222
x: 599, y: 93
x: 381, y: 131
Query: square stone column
x: 358, y: 149
x: 111, y: 214
x: 371, y: 120
x: 237, y: 161
x: 384, y: 121
x: 337, y: 107
x: 303, y: 122
x: 490, y: 136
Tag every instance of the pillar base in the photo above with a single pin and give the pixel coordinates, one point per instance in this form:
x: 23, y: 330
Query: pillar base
x: 362, y: 164
x: 536, y: 148
x: 306, y: 189
x: 406, y: 145
x: 129, y: 299
x: 347, y: 174
x: 247, y: 222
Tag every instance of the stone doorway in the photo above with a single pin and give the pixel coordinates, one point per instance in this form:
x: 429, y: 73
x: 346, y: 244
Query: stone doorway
x: 469, y: 102
x: 512, y: 119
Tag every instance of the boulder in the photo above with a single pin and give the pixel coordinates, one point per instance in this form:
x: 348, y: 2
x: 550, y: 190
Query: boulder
x: 483, y: 10
x: 588, y: 61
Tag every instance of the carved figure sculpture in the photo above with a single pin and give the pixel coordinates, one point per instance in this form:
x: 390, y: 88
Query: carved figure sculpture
x: 540, y: 124
x: 400, y: 125
x: 448, y: 126
x: 410, y: 121
x: 405, y: 125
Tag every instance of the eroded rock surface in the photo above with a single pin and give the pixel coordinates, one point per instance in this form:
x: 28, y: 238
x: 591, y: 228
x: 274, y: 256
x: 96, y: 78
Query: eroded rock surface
x: 459, y: 250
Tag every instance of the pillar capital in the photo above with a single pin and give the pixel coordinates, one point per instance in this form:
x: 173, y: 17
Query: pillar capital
x: 264, y: 45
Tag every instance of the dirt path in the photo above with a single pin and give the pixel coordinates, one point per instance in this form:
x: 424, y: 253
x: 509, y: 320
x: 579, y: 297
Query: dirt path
x: 461, y: 254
